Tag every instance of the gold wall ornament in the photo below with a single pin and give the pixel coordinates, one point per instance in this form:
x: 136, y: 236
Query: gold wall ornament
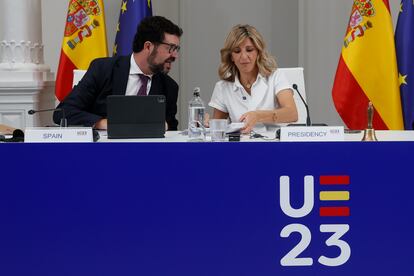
x: 369, y: 133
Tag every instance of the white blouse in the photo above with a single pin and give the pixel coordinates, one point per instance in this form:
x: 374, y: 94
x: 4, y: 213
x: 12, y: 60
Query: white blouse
x: 232, y: 98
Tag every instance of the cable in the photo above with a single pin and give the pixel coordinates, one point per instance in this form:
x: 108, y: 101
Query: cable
x: 255, y: 135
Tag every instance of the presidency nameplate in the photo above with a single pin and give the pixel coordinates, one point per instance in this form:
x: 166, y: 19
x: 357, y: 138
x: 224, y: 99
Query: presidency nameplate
x: 312, y: 133
x: 58, y: 135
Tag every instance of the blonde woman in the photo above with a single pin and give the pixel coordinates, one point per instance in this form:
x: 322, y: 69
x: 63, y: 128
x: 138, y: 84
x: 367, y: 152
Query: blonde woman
x: 251, y: 89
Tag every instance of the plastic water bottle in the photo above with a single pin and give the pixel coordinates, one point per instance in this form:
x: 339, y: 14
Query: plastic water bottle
x: 196, y: 109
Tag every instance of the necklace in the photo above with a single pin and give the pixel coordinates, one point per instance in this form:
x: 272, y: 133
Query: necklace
x: 247, y: 84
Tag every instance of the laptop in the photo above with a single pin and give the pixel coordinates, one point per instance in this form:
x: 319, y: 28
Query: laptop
x: 136, y: 116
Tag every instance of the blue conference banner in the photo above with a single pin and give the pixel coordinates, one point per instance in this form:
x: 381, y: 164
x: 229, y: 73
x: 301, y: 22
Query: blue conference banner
x: 190, y: 209
x: 404, y: 43
x: 130, y: 15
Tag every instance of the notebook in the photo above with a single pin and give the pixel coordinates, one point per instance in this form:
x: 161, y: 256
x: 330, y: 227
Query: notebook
x: 136, y: 116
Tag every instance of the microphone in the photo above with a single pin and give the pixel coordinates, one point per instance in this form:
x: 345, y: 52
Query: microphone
x: 308, y: 120
x: 18, y: 136
x: 63, y: 121
x: 32, y: 111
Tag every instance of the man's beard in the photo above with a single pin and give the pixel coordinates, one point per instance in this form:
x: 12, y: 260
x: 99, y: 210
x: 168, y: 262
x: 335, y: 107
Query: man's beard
x: 157, y: 67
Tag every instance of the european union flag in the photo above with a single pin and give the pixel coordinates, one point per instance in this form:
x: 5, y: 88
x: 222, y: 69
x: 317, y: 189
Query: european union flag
x: 131, y: 14
x: 404, y: 42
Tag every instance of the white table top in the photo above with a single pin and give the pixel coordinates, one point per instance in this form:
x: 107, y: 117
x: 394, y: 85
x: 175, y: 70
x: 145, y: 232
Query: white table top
x: 384, y: 135
x: 177, y: 136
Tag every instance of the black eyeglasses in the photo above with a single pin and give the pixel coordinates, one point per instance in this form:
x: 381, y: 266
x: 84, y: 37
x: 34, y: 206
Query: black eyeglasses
x: 173, y: 47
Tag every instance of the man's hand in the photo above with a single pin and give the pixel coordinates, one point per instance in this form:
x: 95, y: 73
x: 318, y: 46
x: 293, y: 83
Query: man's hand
x: 101, y: 124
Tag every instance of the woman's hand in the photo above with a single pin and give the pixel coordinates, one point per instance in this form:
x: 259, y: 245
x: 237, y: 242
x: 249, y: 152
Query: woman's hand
x: 250, y: 119
x: 206, y: 120
x: 286, y: 113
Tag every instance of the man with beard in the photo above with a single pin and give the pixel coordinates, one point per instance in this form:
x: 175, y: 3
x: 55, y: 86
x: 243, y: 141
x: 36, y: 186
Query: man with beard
x: 155, y: 47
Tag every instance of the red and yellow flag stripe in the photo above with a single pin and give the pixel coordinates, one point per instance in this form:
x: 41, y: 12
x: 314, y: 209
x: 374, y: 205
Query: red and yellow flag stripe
x: 83, y: 41
x: 367, y: 69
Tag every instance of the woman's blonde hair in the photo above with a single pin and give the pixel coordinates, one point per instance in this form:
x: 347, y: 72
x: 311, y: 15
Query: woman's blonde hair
x: 265, y: 62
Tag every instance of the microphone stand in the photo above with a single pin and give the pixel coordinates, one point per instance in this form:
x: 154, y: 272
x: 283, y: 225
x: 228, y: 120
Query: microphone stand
x: 308, y: 119
x: 63, y: 121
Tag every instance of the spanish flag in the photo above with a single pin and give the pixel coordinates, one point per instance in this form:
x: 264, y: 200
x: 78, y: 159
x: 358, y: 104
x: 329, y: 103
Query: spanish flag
x: 84, y: 40
x: 367, y: 69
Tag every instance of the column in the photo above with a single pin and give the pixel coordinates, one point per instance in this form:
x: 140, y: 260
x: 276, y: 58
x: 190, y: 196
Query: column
x: 25, y: 81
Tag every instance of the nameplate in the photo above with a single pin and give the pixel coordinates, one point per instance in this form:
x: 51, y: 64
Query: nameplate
x: 58, y: 135
x: 312, y: 133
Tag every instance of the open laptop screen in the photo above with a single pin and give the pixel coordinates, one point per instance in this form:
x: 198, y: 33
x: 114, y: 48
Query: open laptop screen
x: 136, y: 116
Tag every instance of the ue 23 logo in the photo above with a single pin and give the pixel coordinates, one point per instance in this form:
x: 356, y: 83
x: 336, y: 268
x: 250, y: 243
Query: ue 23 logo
x: 328, y: 196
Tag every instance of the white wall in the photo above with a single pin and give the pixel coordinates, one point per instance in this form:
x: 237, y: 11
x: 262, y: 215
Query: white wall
x: 308, y: 33
x: 322, y: 28
x: 206, y: 24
